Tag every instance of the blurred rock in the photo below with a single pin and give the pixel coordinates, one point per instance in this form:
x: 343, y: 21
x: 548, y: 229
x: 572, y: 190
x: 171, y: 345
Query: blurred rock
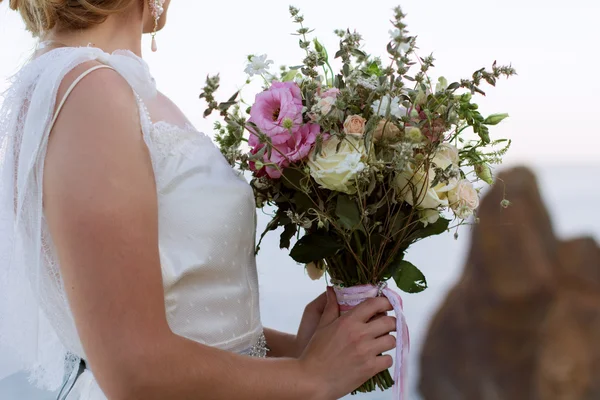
x: 523, y: 323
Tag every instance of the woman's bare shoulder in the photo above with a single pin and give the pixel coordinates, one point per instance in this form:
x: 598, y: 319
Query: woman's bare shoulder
x: 96, y: 81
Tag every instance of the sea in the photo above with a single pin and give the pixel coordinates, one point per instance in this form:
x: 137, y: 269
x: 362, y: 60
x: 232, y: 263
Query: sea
x: 570, y: 192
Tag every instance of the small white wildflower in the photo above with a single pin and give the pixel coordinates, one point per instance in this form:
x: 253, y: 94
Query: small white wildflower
x: 404, y: 47
x: 257, y: 65
x: 380, y: 107
x: 395, y: 34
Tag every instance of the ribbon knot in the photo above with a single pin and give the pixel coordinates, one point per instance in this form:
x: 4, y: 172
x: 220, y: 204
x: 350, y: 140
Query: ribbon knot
x: 350, y: 297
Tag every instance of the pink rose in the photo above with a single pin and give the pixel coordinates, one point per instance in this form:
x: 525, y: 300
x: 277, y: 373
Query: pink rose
x: 282, y: 102
x: 386, y: 130
x: 354, y: 125
x: 296, y: 148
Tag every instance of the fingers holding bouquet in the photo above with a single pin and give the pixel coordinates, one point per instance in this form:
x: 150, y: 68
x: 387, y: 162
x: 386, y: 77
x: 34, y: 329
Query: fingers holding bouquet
x: 346, y: 350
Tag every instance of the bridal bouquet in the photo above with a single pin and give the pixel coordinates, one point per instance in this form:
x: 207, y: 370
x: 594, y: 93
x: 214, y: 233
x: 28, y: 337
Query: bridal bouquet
x: 359, y: 164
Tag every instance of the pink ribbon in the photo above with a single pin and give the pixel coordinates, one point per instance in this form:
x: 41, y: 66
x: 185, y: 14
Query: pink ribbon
x: 350, y: 297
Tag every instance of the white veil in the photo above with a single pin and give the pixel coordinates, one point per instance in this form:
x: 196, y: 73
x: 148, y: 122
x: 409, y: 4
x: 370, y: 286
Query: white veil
x: 37, y: 331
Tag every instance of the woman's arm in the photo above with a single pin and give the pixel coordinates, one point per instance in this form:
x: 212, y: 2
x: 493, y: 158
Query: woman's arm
x: 101, y: 208
x: 281, y: 344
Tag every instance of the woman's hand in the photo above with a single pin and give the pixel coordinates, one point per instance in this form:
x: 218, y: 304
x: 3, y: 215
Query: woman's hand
x: 309, y: 323
x: 345, y: 350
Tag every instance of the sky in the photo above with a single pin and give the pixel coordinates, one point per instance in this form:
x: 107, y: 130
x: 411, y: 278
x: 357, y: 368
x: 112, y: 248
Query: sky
x: 552, y: 44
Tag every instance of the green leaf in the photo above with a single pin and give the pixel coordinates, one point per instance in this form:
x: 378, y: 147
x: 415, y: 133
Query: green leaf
x: 408, y: 278
x: 358, y: 53
x: 347, y: 212
x: 484, y: 134
x: 453, y: 86
x: 438, y: 227
x: 258, y: 155
x: 373, y: 69
x: 315, y: 246
x: 339, y: 82
x: 234, y: 97
x: 271, y: 226
x: 391, y: 49
x: 346, y: 69
x: 288, y: 233
x: 291, y: 74
x: 292, y: 177
x: 225, y: 105
x: 303, y: 202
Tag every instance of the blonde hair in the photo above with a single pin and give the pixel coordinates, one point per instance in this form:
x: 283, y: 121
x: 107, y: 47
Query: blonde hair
x: 40, y: 16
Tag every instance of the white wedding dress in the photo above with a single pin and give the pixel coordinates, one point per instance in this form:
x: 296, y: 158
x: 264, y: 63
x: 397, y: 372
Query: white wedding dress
x: 206, y: 231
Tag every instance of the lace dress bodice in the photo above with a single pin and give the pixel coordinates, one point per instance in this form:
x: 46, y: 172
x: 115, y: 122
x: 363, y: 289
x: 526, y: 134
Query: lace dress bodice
x: 206, y: 228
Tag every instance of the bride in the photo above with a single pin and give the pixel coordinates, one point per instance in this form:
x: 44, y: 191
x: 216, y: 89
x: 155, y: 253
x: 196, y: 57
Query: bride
x: 127, y: 266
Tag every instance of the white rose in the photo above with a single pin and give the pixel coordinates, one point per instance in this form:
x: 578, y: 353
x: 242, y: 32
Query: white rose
x: 336, y: 170
x: 446, y: 155
x: 429, y: 216
x: 464, y: 199
x: 314, y: 272
x: 415, y: 188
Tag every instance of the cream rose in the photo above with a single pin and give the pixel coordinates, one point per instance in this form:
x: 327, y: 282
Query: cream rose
x: 464, y: 199
x: 354, y: 125
x: 385, y: 130
x: 336, y: 170
x: 314, y: 272
x: 446, y: 155
x: 429, y: 216
x: 415, y: 188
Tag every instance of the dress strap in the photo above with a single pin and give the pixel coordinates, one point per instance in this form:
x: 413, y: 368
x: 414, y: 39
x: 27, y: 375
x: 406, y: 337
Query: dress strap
x: 70, y: 89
